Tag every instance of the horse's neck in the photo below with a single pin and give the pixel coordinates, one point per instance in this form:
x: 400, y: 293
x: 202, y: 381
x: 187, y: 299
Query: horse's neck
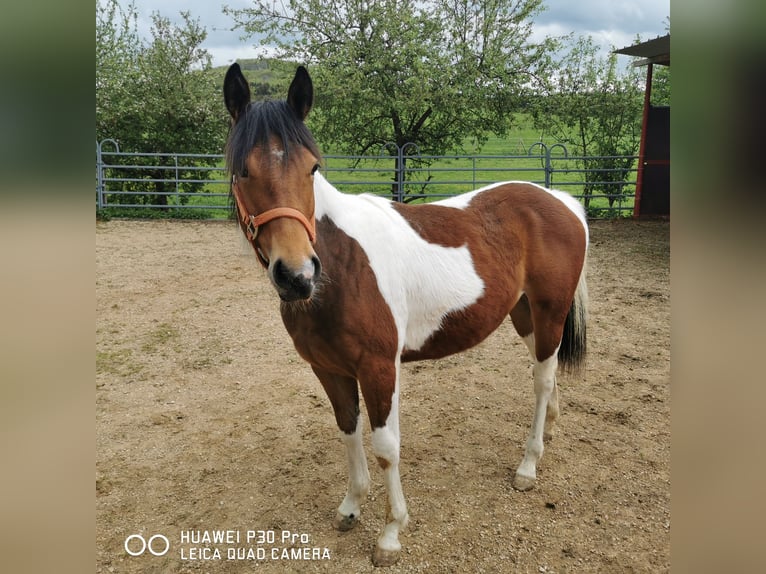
x: 329, y: 200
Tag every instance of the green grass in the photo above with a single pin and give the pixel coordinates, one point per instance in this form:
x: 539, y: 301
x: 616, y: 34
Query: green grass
x: 120, y: 362
x: 447, y: 175
x: 159, y: 338
x: 517, y: 156
x: 500, y: 159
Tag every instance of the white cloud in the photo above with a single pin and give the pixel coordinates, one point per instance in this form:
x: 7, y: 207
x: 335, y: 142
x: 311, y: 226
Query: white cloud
x: 225, y: 55
x: 612, y: 24
x: 609, y: 22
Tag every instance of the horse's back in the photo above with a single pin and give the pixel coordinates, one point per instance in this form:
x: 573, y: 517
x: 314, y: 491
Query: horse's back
x: 513, y: 222
x: 548, y: 230
x: 511, y: 200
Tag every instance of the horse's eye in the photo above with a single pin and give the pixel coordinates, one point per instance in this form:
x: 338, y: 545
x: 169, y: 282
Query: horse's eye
x: 314, y: 169
x: 244, y: 172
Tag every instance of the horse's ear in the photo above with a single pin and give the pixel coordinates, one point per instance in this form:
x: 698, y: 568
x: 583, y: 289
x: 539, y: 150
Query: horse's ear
x: 236, y: 91
x: 300, y: 96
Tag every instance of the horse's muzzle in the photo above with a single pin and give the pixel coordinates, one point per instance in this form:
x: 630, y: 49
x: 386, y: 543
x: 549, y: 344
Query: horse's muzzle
x: 295, y: 284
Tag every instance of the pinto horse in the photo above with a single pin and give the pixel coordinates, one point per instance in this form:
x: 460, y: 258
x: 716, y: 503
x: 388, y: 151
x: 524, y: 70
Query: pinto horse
x: 366, y: 284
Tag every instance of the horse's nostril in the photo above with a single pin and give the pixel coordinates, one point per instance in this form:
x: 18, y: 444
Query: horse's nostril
x: 295, y: 284
x: 281, y: 273
x: 317, y: 267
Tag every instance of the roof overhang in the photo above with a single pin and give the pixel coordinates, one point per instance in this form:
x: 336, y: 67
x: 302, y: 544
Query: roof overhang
x: 655, y: 51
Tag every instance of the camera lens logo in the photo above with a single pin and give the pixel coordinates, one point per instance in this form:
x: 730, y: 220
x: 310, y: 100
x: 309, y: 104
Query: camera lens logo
x: 142, y: 545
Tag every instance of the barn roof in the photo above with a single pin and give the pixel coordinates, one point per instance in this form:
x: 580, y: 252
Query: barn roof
x: 655, y: 51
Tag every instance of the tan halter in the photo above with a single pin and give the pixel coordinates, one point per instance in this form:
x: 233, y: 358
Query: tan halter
x: 251, y: 223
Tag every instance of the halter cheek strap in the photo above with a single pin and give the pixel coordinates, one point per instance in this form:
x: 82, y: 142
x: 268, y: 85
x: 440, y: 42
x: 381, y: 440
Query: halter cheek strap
x: 252, y: 223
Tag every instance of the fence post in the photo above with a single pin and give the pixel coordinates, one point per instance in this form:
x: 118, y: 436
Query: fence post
x: 100, y: 192
x: 99, y: 179
x: 400, y: 174
x: 548, y: 167
x: 178, y: 199
x: 403, y: 168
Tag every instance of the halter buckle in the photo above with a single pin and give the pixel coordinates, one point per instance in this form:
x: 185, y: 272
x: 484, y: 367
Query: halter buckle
x: 251, y: 229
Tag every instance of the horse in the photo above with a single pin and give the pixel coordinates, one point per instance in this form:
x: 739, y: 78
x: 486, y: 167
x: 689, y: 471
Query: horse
x: 366, y: 284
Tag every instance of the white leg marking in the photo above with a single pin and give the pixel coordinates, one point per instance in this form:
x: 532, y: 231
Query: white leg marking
x: 385, y: 446
x: 545, y: 381
x: 358, y: 480
x: 529, y: 341
x: 552, y: 412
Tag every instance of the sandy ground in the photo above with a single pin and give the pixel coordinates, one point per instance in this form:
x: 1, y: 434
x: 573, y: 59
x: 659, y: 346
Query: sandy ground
x: 207, y: 420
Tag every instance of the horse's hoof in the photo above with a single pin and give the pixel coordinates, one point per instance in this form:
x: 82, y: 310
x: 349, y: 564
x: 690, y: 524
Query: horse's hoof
x: 383, y: 558
x: 344, y: 523
x: 521, y: 482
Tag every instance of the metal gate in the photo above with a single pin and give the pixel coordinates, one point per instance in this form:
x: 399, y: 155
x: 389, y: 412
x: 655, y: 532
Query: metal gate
x: 128, y: 181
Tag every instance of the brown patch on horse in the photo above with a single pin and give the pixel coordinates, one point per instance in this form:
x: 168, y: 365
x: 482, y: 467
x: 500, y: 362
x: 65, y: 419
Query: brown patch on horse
x: 543, y: 234
x: 347, y: 331
x: 384, y: 464
x: 343, y: 393
x: 521, y: 315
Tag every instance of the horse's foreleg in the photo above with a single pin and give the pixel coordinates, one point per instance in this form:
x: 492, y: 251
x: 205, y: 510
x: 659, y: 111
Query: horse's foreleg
x: 382, y: 399
x: 385, y: 445
x: 344, y: 396
x: 358, y: 481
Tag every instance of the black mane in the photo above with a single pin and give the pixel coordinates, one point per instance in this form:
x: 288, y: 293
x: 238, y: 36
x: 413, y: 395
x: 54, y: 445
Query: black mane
x: 262, y: 121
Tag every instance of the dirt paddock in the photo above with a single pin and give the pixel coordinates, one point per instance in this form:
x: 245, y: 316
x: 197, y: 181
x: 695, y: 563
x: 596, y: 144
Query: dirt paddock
x: 207, y: 420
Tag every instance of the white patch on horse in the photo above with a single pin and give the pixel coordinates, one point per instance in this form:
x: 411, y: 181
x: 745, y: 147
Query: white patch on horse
x: 574, y: 206
x: 386, y: 442
x: 277, y: 152
x: 464, y: 199
x: 421, y: 282
x: 544, y: 374
x: 359, y: 475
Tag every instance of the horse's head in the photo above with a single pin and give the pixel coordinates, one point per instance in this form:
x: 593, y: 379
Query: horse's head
x: 272, y: 158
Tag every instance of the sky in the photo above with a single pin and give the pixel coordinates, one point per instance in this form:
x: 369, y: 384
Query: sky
x: 611, y: 23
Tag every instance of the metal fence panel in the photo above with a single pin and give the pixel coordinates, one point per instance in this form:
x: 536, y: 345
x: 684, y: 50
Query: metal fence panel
x: 127, y: 182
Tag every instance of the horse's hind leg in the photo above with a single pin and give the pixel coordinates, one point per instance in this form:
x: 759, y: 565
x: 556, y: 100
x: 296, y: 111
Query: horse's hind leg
x: 544, y: 373
x: 542, y: 340
x: 521, y: 316
x: 344, y: 396
x: 552, y: 412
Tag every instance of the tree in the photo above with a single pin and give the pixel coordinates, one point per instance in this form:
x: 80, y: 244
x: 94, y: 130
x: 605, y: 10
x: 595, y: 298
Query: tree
x: 400, y: 71
x: 157, y: 97
x: 595, y: 110
x: 661, y: 86
x: 661, y: 80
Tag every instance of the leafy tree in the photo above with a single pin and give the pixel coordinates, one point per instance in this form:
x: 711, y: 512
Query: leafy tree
x: 595, y: 110
x: 156, y: 97
x: 431, y: 73
x: 661, y: 79
x: 660, y: 86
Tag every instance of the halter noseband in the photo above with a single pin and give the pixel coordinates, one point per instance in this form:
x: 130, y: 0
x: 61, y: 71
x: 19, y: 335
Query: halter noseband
x: 252, y: 223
